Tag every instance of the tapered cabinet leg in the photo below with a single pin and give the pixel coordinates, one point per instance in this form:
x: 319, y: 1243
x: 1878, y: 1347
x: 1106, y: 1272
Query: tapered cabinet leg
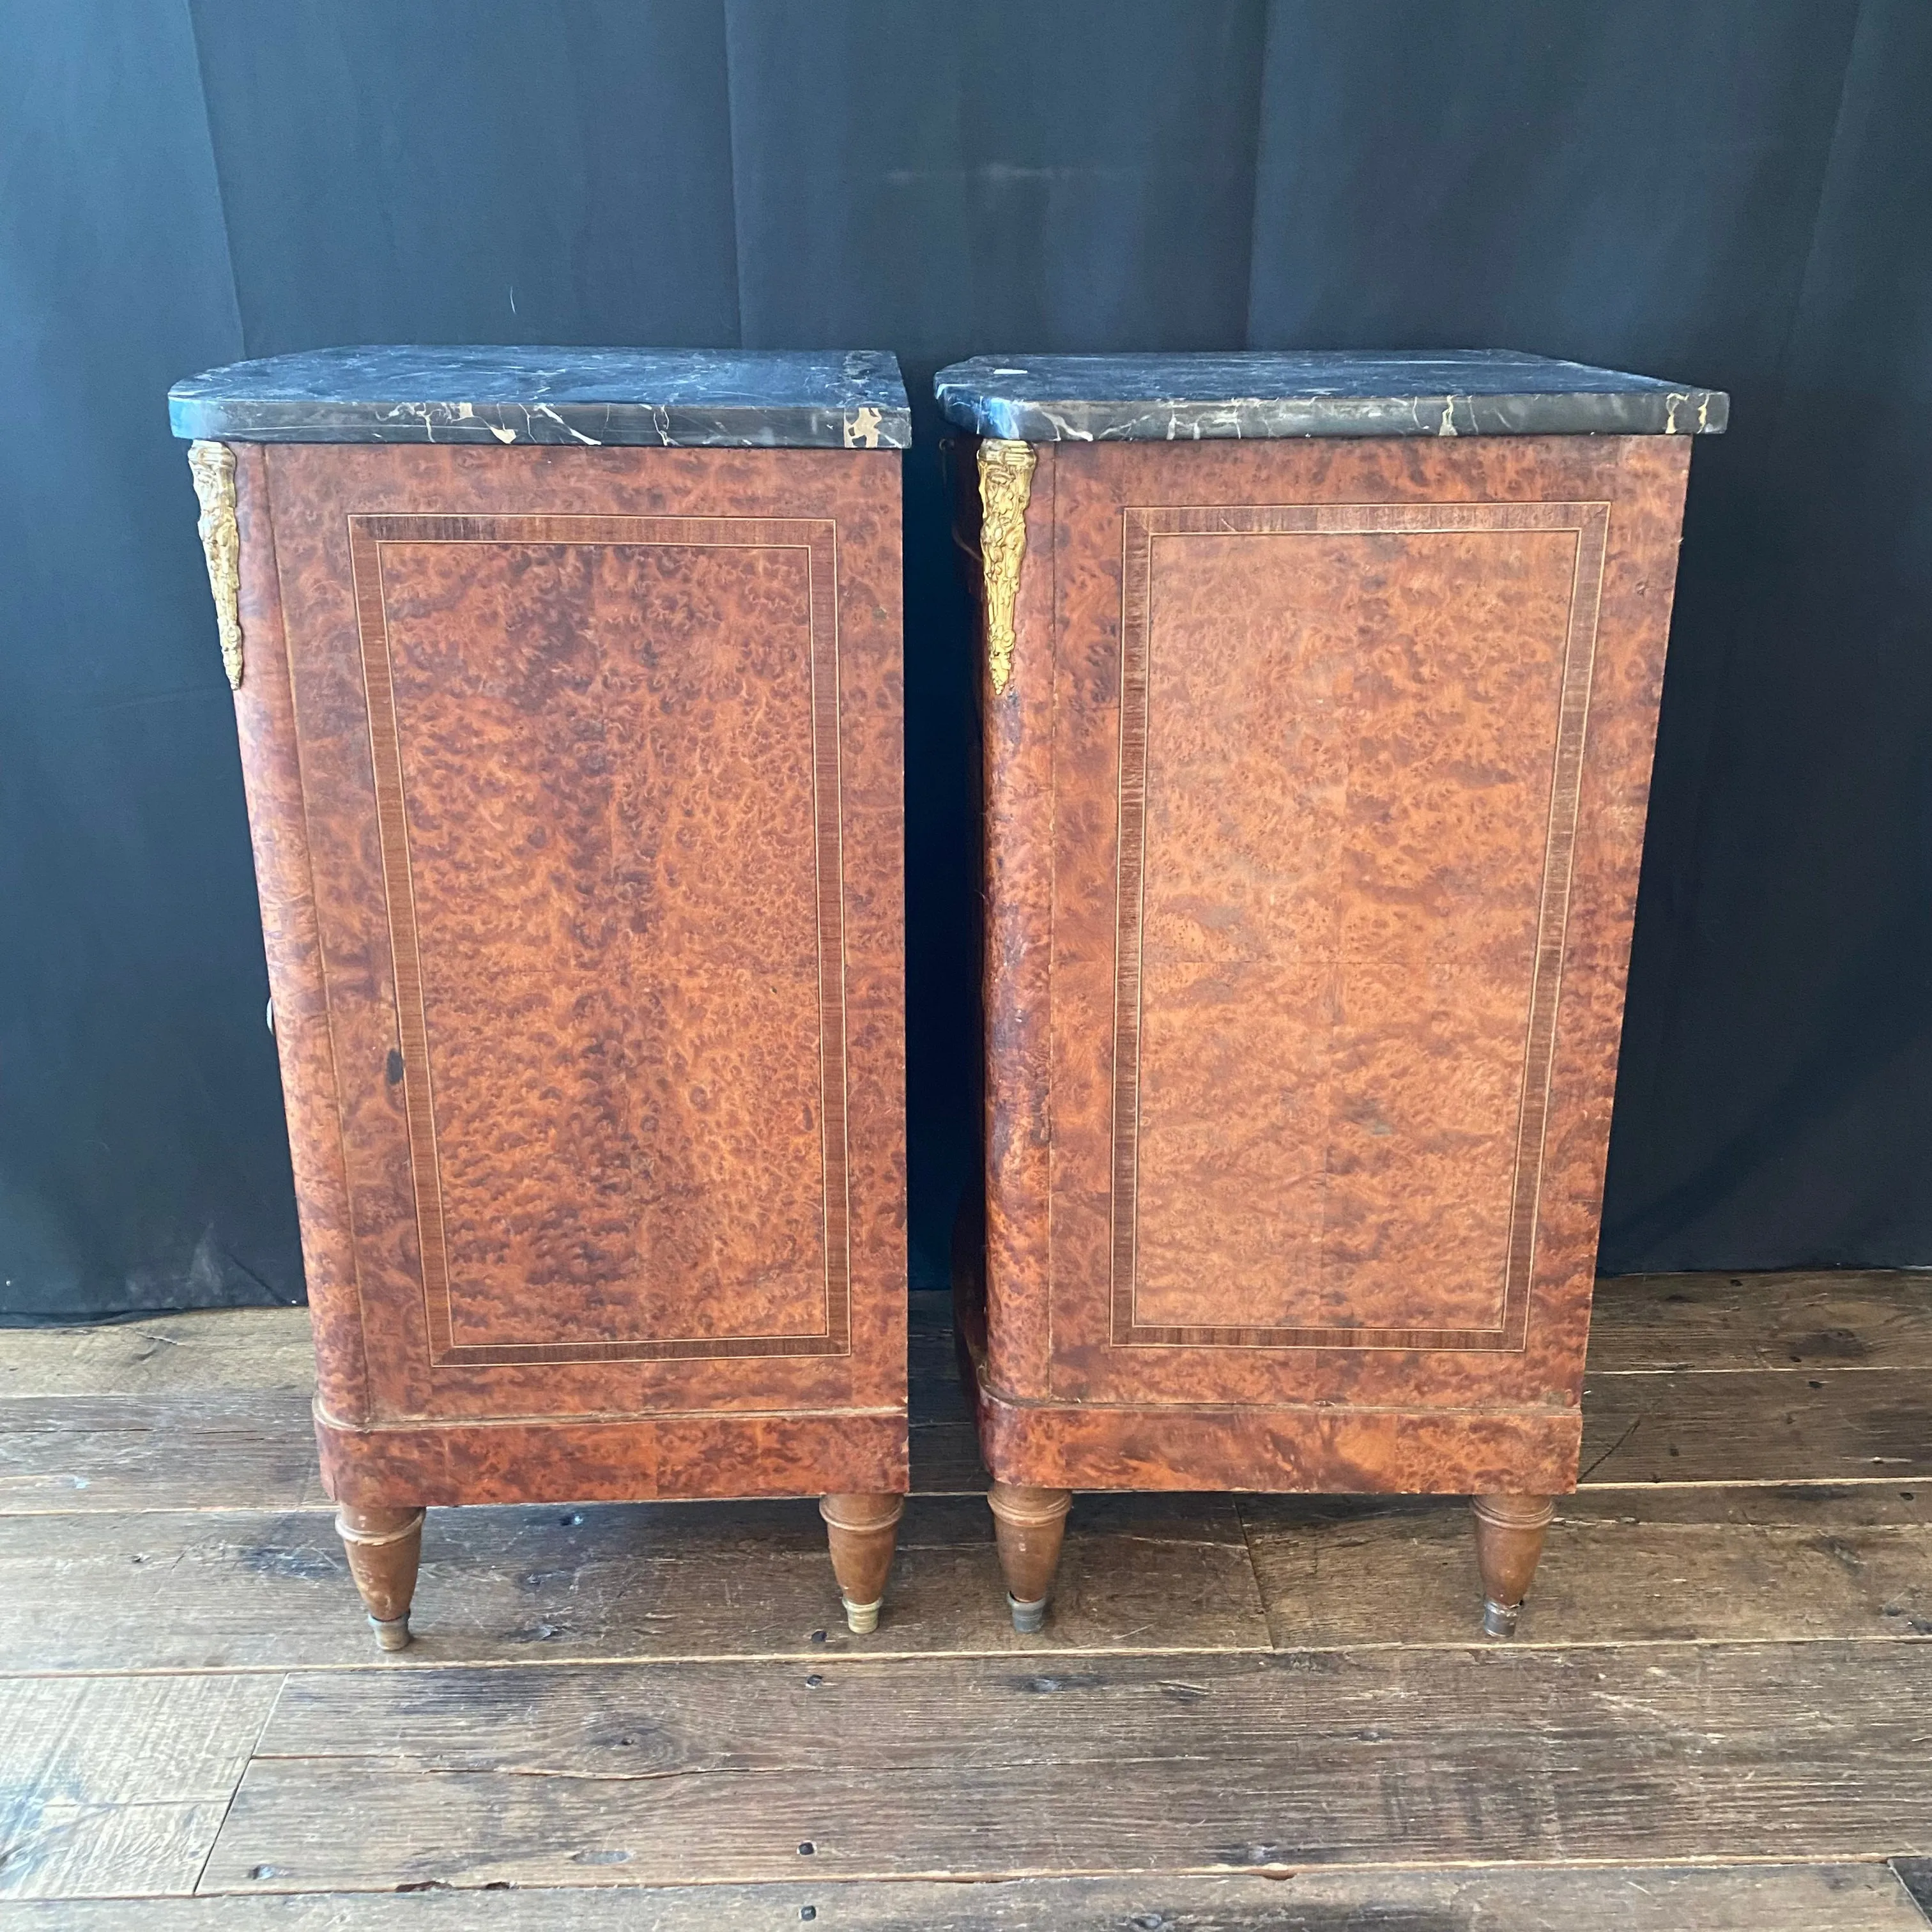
x: 385, y: 1546
x: 1029, y: 1525
x: 1509, y: 1539
x: 862, y: 1531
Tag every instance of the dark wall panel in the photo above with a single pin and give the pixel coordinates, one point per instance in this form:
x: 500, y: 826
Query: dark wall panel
x: 952, y: 180
x: 1728, y: 190
x: 141, y: 1156
x: 502, y: 171
x: 1774, y: 1106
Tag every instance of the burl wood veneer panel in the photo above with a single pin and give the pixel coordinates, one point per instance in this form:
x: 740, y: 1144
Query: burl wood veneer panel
x: 1340, y: 730
x: 1314, y: 810
x: 628, y: 1128
x: 575, y: 776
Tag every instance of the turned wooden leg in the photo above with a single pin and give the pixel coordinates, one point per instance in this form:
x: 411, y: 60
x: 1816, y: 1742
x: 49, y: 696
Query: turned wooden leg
x: 1509, y: 1539
x: 385, y: 1546
x: 1029, y: 1525
x: 862, y: 1531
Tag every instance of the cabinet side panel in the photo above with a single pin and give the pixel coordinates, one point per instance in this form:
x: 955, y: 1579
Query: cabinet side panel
x: 603, y: 753
x: 1018, y: 987
x: 264, y: 720
x: 1386, y: 901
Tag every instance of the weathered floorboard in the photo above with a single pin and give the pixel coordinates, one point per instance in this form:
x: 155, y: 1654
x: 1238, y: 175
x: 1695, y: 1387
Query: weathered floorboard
x: 1730, y: 1565
x: 1819, y: 1318
x: 257, y: 1451
x: 188, y: 1590
x: 985, y: 1767
x: 116, y: 1786
x: 1757, y: 1426
x: 218, y: 1351
x: 253, y: 1449
x: 1788, y: 1728
x: 1833, y: 1318
x: 1747, y: 1425
x: 231, y: 1429
x: 1654, y: 1898
x: 247, y: 1590
x: 945, y: 1460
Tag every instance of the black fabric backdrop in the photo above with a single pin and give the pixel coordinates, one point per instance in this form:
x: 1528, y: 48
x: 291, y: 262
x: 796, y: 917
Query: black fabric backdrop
x: 1734, y: 192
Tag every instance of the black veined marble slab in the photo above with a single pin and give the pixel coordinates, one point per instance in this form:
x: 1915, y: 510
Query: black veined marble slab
x: 589, y: 398
x: 1184, y: 398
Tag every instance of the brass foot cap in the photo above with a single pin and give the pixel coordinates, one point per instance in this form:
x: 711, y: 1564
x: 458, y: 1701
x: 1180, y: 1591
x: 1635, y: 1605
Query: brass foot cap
x: 1028, y: 1618
x: 861, y: 1619
x: 1499, y: 1619
x: 393, y: 1634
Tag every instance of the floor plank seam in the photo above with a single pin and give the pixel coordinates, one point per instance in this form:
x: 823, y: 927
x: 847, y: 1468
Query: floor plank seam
x: 235, y: 1790
x: 1255, y: 1570
x: 1651, y: 1485
x: 1473, y: 1646
x: 1899, y: 1469
x: 1820, y: 1371
x: 1151, y: 1875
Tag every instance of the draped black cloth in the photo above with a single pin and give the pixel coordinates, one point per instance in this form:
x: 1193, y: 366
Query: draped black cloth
x: 1729, y: 192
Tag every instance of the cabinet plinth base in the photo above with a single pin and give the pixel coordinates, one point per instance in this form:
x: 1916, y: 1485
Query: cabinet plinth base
x: 634, y: 1460
x: 1321, y: 1450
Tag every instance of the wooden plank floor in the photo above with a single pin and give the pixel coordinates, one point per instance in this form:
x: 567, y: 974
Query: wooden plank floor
x: 1247, y: 1712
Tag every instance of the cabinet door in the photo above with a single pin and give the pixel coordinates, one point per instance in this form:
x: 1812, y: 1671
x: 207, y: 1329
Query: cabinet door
x: 1352, y: 742
x: 599, y: 760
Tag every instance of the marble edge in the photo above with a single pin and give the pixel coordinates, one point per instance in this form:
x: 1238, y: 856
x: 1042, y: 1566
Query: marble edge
x: 1663, y: 411
x: 581, y: 424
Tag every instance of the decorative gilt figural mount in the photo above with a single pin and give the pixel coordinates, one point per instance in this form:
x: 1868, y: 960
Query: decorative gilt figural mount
x: 212, y: 465
x: 1005, y: 482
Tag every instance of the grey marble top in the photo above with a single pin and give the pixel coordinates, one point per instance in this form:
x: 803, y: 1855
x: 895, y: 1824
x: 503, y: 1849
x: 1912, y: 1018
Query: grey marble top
x: 731, y: 398
x: 1314, y: 392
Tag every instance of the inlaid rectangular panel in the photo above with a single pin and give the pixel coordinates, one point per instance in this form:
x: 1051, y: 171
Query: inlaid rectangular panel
x: 610, y: 856
x: 1345, y: 838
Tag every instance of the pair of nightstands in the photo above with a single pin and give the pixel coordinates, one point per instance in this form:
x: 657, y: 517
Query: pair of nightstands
x: 1319, y: 693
